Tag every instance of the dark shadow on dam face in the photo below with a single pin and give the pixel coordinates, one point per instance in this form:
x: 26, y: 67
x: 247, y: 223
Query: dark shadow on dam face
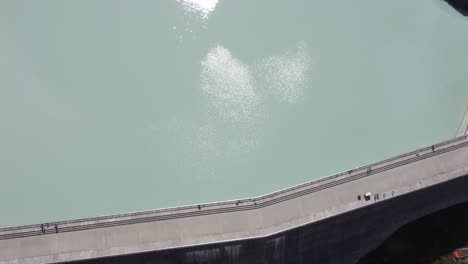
x: 414, y: 228
x: 424, y: 240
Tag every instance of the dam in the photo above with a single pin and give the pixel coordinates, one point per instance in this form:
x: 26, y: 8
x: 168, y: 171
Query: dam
x: 336, y: 219
x: 110, y: 108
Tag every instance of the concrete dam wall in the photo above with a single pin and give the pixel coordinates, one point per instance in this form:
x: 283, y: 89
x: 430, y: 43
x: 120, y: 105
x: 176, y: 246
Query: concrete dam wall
x: 342, y: 239
x: 336, y: 219
x: 430, y: 239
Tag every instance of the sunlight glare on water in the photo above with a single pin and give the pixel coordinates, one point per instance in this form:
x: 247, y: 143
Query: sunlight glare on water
x: 202, y: 7
x: 115, y: 106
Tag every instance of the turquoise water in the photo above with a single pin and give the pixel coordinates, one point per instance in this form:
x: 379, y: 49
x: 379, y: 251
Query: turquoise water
x: 115, y: 106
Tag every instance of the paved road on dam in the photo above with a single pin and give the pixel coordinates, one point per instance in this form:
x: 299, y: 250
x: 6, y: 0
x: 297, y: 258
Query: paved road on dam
x: 238, y: 219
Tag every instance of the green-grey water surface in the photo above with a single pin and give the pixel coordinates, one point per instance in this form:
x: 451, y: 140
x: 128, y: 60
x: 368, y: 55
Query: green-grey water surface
x: 115, y: 106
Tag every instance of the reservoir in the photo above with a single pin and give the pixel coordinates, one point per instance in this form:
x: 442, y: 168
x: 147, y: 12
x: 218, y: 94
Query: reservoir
x: 115, y: 106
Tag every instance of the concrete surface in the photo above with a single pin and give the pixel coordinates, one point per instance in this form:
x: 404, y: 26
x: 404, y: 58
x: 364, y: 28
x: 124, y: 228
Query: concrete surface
x: 349, y: 238
x: 230, y: 221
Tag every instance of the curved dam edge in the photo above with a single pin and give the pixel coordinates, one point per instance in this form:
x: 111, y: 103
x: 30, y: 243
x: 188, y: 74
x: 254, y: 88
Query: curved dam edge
x: 245, y: 203
x: 263, y: 217
x: 340, y: 239
x: 463, y: 129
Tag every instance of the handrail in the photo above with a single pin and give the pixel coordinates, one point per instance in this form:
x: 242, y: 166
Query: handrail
x: 463, y: 127
x: 239, y: 204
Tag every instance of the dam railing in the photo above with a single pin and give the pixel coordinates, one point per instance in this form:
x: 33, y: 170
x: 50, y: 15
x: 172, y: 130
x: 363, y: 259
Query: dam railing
x: 234, y: 205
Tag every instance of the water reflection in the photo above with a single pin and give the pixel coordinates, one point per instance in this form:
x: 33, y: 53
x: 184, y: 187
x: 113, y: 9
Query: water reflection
x: 202, y: 8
